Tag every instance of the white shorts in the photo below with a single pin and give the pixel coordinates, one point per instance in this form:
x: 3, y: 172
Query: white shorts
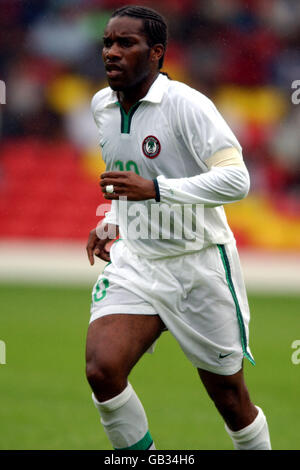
x: 200, y: 297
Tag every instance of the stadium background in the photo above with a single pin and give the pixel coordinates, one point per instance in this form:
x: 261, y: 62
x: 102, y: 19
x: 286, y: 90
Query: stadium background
x: 245, y: 56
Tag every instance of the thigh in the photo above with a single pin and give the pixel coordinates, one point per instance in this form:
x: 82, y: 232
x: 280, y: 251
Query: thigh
x: 116, y: 342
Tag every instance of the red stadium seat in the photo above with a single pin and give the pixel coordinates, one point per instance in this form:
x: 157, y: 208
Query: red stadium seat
x: 45, y: 192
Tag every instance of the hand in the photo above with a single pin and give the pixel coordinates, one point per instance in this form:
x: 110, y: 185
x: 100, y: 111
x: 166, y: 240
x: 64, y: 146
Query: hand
x: 129, y: 184
x: 99, y: 242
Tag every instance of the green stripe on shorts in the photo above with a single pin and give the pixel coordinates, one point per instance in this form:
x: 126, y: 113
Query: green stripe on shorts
x: 143, y: 444
x: 226, y: 265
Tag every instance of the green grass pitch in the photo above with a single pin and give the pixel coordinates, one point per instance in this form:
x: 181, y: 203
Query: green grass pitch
x: 46, y: 402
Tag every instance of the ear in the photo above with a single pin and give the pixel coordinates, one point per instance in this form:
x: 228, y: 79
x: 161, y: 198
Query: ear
x: 157, y: 51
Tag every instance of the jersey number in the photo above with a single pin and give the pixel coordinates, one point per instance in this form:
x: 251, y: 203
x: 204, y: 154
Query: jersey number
x: 99, y: 293
x: 129, y: 166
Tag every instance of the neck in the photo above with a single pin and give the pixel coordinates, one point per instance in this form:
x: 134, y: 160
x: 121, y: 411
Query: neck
x: 130, y: 96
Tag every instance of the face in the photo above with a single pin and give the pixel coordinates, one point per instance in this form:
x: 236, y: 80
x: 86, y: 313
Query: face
x: 127, y: 57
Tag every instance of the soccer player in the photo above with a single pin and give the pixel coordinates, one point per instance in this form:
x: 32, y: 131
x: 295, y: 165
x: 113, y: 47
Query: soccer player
x: 167, y: 149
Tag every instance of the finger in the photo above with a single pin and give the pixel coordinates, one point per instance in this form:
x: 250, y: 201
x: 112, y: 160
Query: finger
x: 116, y: 194
x: 91, y: 245
x: 117, y: 188
x: 90, y: 255
x: 104, y: 254
x: 112, y: 174
x: 111, y: 196
x: 108, y: 182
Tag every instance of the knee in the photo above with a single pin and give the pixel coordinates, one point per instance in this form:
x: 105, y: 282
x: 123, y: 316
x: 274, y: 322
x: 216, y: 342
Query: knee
x: 105, y: 377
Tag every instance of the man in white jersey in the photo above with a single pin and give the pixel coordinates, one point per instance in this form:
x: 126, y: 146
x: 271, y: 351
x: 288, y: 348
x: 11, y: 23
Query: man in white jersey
x: 167, y: 149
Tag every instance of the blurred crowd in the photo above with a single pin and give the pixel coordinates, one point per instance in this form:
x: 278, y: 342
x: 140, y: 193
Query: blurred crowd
x: 245, y: 55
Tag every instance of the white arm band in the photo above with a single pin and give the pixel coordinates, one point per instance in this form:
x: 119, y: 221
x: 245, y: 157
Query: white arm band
x: 226, y: 157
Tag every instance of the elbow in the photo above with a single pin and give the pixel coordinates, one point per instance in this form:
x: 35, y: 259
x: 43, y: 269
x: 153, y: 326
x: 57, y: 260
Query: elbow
x: 239, y: 185
x: 243, y: 186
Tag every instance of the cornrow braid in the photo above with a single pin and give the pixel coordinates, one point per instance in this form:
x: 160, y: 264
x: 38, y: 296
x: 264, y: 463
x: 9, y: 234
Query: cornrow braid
x: 155, y: 26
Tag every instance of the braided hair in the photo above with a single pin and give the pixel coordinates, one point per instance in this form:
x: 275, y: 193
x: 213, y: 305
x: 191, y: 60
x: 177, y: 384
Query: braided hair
x: 155, y: 26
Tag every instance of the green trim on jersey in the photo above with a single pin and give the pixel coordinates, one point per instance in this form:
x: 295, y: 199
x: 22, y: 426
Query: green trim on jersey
x: 143, y: 444
x: 108, y: 263
x: 226, y: 265
x: 126, y: 118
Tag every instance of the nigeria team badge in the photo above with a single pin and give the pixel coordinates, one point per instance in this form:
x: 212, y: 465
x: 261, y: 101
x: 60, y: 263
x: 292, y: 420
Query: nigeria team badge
x: 151, y: 146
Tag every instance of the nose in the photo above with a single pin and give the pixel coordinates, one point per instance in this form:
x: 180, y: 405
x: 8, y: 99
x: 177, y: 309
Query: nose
x: 112, y: 52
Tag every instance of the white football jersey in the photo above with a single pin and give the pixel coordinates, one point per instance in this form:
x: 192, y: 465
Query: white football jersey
x: 169, y: 134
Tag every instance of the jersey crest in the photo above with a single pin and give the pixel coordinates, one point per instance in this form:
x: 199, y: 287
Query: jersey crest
x: 151, y: 147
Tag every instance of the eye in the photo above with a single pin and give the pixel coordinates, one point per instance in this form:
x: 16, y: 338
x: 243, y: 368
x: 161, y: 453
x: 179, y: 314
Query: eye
x: 124, y: 42
x: 107, y: 42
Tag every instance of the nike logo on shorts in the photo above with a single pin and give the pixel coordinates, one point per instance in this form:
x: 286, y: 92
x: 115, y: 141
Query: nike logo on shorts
x: 221, y: 356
